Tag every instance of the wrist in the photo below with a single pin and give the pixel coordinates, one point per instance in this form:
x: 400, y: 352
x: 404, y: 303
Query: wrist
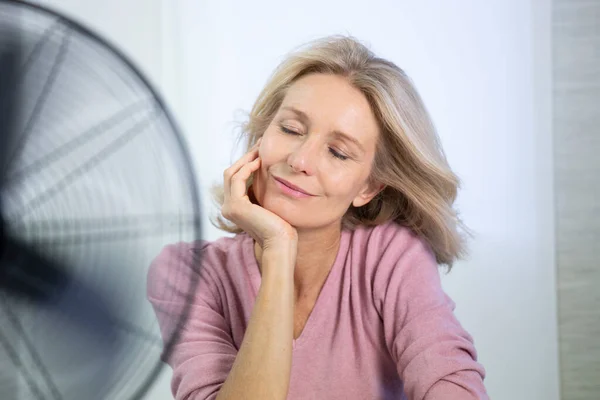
x: 280, y: 259
x: 281, y: 246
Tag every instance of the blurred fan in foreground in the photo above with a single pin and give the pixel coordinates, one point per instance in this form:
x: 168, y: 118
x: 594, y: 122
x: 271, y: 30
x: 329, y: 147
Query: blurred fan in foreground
x: 94, y: 181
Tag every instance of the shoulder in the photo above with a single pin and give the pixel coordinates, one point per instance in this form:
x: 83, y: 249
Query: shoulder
x: 220, y: 252
x: 180, y: 264
x: 399, y: 266
x: 392, y: 252
x: 388, y: 241
x: 189, y: 253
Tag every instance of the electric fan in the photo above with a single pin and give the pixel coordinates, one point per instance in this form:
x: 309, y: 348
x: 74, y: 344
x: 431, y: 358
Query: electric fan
x: 94, y: 181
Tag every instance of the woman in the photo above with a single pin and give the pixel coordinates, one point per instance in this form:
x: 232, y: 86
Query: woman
x: 342, y: 210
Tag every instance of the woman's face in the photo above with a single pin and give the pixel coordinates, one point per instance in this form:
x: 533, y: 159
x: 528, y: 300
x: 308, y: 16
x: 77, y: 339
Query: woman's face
x: 322, y: 142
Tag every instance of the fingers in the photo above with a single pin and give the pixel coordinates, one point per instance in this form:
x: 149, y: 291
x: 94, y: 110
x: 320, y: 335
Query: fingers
x: 238, y: 181
x: 228, y: 174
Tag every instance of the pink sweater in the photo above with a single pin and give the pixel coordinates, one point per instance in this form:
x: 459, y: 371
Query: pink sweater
x: 382, y: 327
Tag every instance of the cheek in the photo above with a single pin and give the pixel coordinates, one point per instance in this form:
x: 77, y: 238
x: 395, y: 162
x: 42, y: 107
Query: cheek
x: 343, y: 184
x: 336, y: 184
x: 271, y: 150
x: 266, y: 155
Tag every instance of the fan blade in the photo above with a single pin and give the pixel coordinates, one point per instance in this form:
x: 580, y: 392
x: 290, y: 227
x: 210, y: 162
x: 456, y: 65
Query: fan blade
x: 89, y: 324
x: 9, y: 99
x: 31, y: 276
x: 25, y: 273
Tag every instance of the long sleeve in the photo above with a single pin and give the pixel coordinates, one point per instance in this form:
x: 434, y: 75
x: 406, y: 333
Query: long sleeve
x: 435, y: 357
x: 181, y: 281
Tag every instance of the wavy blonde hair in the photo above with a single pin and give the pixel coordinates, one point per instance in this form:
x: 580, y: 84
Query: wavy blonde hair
x: 420, y: 188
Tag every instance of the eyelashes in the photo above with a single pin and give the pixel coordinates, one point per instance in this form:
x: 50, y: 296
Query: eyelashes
x: 337, y: 154
x: 288, y: 131
x: 332, y: 151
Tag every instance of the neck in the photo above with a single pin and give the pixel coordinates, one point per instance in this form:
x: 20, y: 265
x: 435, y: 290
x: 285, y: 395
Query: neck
x: 317, y: 250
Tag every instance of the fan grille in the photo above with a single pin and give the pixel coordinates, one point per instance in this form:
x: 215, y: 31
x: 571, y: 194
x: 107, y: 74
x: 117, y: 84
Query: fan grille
x: 100, y: 182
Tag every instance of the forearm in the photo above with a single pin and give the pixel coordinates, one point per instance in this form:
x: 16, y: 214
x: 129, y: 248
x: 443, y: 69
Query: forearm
x: 263, y: 364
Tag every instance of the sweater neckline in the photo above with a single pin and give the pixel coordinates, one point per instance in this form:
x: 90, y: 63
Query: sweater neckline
x: 325, y: 295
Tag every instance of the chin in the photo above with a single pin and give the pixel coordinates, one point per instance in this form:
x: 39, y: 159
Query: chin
x: 297, y: 217
x: 294, y: 213
x: 287, y: 212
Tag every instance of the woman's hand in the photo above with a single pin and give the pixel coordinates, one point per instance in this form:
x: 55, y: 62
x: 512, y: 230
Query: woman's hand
x: 262, y: 366
x: 267, y: 228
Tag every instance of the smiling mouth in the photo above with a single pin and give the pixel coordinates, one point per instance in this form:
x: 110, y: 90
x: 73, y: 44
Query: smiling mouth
x: 290, y: 186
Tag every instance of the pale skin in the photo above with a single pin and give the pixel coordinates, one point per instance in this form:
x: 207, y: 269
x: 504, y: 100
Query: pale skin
x: 322, y: 140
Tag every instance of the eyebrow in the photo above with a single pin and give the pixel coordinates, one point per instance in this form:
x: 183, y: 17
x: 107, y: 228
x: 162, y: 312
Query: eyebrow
x: 304, y: 117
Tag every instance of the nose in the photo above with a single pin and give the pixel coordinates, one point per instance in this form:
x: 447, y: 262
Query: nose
x: 304, y: 157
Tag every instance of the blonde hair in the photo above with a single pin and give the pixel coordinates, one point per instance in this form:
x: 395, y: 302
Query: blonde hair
x: 420, y: 188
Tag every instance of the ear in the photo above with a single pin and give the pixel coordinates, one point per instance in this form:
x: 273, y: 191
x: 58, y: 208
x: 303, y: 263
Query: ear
x: 367, y: 193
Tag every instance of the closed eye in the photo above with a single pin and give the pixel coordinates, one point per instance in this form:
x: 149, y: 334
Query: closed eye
x: 332, y: 151
x: 289, y: 131
x: 337, y: 154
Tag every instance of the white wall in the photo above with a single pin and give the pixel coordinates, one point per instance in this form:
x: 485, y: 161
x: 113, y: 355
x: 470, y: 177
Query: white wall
x: 483, y: 69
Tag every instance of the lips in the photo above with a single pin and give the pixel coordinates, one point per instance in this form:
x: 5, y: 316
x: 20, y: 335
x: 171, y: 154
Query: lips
x: 292, y: 186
